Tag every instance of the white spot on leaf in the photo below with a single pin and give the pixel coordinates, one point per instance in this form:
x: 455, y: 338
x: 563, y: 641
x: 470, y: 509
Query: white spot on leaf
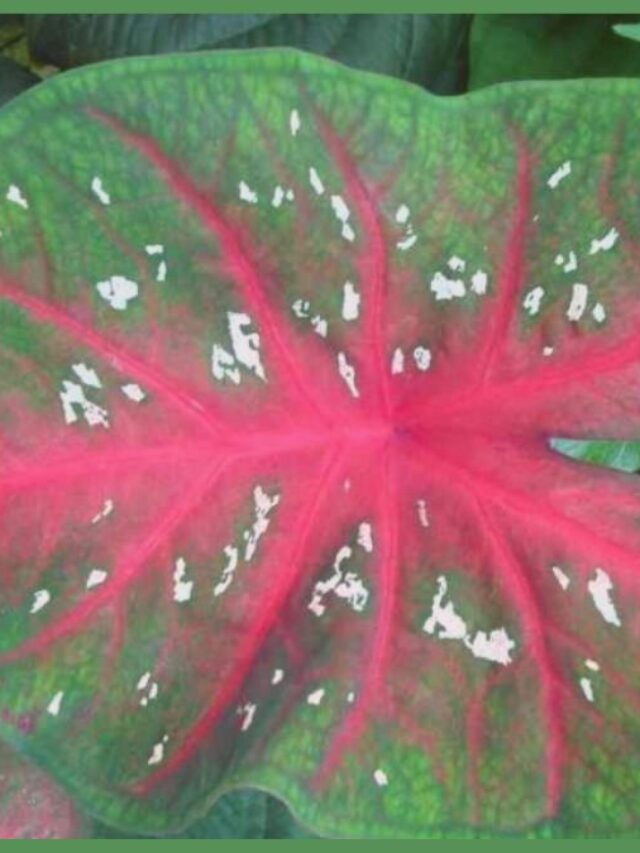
x: 316, y: 183
x: 604, y: 243
x: 600, y: 589
x: 380, y: 777
x: 365, y: 536
x: 87, y: 375
x: 579, y: 296
x: 560, y: 174
x: 447, y: 288
x: 134, y: 392
x: 40, y: 599
x: 397, y: 361
x: 54, y: 706
x: 118, y: 291
x: 423, y: 517
x: 587, y: 689
x: 479, y: 282
x: 182, y: 589
x: 532, y: 300
x: 96, y: 577
x: 16, y: 196
x: 246, y: 193
x: 294, y: 122
x: 562, y: 578
x: 106, y: 510
x: 278, y: 675
x: 422, y: 358
x: 97, y: 188
x: 348, y: 373
x: 350, y: 302
x: 316, y: 697
x: 231, y: 553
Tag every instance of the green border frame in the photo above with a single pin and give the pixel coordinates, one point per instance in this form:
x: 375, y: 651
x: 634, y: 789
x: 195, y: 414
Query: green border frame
x: 297, y: 7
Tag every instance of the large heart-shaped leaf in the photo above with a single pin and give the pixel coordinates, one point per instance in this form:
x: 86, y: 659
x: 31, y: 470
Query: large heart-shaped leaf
x: 426, y: 49
x: 283, y: 347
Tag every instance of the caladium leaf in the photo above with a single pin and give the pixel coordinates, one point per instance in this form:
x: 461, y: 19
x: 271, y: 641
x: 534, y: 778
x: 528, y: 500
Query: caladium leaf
x: 32, y: 805
x: 426, y: 49
x: 544, y: 47
x: 283, y: 347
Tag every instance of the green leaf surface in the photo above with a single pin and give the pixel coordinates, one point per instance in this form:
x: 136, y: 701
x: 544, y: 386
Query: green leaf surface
x: 545, y: 47
x: 426, y: 49
x: 281, y: 348
x: 630, y: 31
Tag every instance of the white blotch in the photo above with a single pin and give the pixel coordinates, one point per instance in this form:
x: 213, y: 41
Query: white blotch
x: 278, y: 675
x: 593, y: 665
x: 598, y: 312
x: 73, y: 395
x: 348, y: 373
x: 294, y: 122
x: 246, y: 345
x: 231, y: 553
x: 246, y: 193
x: 479, y: 282
x: 96, y: 577
x: 600, y: 589
x: 447, y: 288
x: 402, y: 214
x: 15, y: 195
x: 97, y: 188
x: 422, y: 358
x: 316, y: 697
x: 569, y: 264
x: 532, y: 300
x: 301, y: 308
x: 182, y: 589
x: 87, y: 375
x: 579, y: 296
x: 560, y: 174
x: 40, y: 599
x: 380, y: 777
x: 54, y: 706
x: 547, y: 350
x: 343, y: 214
x: 351, y: 697
x: 248, y: 712
x: 451, y: 626
x: 264, y: 503
x: 148, y: 687
x: 365, y: 536
x: 316, y: 183
x: 154, y: 249
x: 347, y: 485
x: 223, y: 365
x: 456, y: 264
x: 348, y: 587
x: 494, y: 646
x: 157, y: 753
x: 289, y: 195
x: 604, y: 243
x: 278, y: 196
x: 320, y: 325
x: 350, y: 302
x: 397, y: 361
x: 587, y: 689
x: 562, y: 578
x: 423, y: 517
x: 118, y: 291
x: 407, y: 242
x: 134, y: 392
x: 161, y: 274
x: 106, y: 510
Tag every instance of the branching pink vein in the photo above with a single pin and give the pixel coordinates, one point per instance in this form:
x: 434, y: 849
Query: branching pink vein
x: 238, y: 262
